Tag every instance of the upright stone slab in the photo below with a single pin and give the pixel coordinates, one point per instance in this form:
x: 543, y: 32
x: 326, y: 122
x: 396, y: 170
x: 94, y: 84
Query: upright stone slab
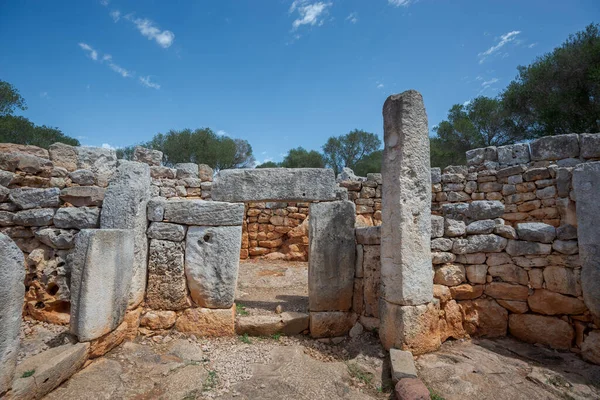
x: 101, y: 271
x: 124, y: 207
x: 406, y: 272
x: 274, y: 184
x: 212, y: 260
x: 586, y: 183
x: 331, y: 262
x: 12, y: 292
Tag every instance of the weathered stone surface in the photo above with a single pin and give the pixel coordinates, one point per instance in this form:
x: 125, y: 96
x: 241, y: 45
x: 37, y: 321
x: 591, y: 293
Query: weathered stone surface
x: 6, y: 178
x: 83, y: 196
x: 368, y: 235
x: 506, y: 291
x: 485, y: 209
x: 466, y: 291
x: 35, y: 217
x: 406, y: 207
x: 156, y: 209
x: 569, y: 247
x: 412, y: 328
x: 454, y: 228
x: 522, y: 248
x: 481, y: 227
x: 484, y: 317
x: 6, y: 218
x: 99, y: 160
x: 513, y: 154
x: 555, y: 147
x: 509, y: 273
x: 590, y: 348
x: 167, y: 288
x: 166, y: 231
x: 331, y: 323
x: 186, y: 170
x: 124, y: 207
x: 476, y: 273
x: 212, y: 263
x: 205, y: 173
x: 485, y: 244
x: 586, y: 181
x: 206, y: 322
x: 517, y: 307
x: 104, y: 344
x: 437, y: 226
x: 372, y: 280
x: 147, y: 156
x: 563, y: 280
x: 411, y: 389
x: 63, y: 155
x: 550, y: 331
x: 402, y: 365
x: 274, y: 184
x: 56, y: 238
x: 332, y: 256
x: 203, y: 213
x: 51, y: 368
x: 550, y: 303
x: 449, y: 275
x: 25, y: 162
x: 566, y: 232
x: 158, y: 319
x: 505, y: 231
x: 442, y: 257
x: 27, y: 198
x: 101, y: 271
x: 83, y: 177
x: 590, y: 145
x: 23, y: 148
x: 77, y: 218
x: 441, y: 244
x: 536, y: 232
x: 12, y: 292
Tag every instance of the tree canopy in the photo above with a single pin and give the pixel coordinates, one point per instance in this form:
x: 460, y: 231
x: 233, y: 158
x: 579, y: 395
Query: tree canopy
x: 347, y: 150
x: 10, y: 99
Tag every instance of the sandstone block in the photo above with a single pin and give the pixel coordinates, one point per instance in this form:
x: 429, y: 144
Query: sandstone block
x: 476, y: 273
x: 63, y: 155
x: 506, y: 291
x: 26, y: 198
x: 167, y: 288
x: 83, y: 196
x: 101, y: 271
x: 509, y: 273
x: 411, y: 389
x: 466, y: 291
x: 206, y: 322
x: 332, y: 256
x: 104, y: 344
x: 484, y: 317
x: 550, y: 331
x: 517, y: 307
x: 411, y: 328
x: 158, y: 319
x: 563, y: 280
x: 203, y: 213
x: 566, y: 246
x: 77, y: 218
x: 590, y: 348
x: 331, y: 323
x: 550, y: 303
x: 449, y: 275
x: 212, y: 263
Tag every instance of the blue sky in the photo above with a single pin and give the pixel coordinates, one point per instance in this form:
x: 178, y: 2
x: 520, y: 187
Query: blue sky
x: 278, y: 73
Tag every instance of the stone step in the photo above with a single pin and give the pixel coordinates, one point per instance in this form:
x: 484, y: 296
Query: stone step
x: 288, y: 323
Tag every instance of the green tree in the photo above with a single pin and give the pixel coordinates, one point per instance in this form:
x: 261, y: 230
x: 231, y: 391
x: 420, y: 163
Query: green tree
x: 560, y: 91
x: 20, y: 130
x: 201, y: 146
x: 347, y: 150
x: 269, y: 164
x: 301, y: 158
x: 10, y: 99
x: 370, y: 163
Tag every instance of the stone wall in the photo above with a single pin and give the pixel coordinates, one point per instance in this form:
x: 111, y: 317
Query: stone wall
x: 46, y: 197
x: 504, y: 247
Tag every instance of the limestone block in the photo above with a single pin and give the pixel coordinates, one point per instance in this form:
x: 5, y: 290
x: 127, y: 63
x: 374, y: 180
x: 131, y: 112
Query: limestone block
x: 206, y: 322
x: 34, y: 217
x: 147, y: 156
x: 166, y: 231
x: 522, y: 248
x: 186, y: 170
x: 411, y: 328
x: 12, y: 292
x: 51, y: 368
x: 466, y: 291
x: 406, y: 202
x: 63, y: 155
x: 517, y: 307
x: 436, y: 175
x: 485, y: 244
x: 566, y: 232
x: 555, y: 147
x: 454, y: 228
x: 411, y: 388
x: 590, y: 145
x: 56, y: 238
x: 479, y: 156
x: 204, y: 213
x: 331, y: 323
x: 273, y: 184
x: 590, y: 348
x: 23, y: 148
x: 332, y: 256
x: 402, y: 365
x: 6, y: 218
x: 449, y: 274
x: 565, y: 246
x: 368, y: 235
x: 101, y: 272
x: 100, y: 161
x: 507, y: 291
x: 484, y: 209
x: 550, y: 303
x: 77, y: 218
x: 158, y: 319
x: 563, y: 280
x: 156, y: 209
x: 25, y: 162
x: 372, y: 280
x: 83, y: 196
x: 205, y: 173
x: 26, y: 198
x: 484, y: 317
x: 550, y: 331
x: 437, y: 226
x: 513, y: 154
x: 83, y: 177
x: 509, y: 273
x: 441, y: 244
x: 167, y: 288
x: 476, y: 273
x: 505, y: 231
x: 481, y: 227
x: 440, y: 257
x: 125, y: 208
x: 212, y: 263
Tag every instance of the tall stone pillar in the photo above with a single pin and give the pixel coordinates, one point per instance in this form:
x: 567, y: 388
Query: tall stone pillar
x: 408, y: 315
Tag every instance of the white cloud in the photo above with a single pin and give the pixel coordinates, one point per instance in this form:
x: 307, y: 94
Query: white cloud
x: 504, y: 40
x: 104, y: 2
x: 309, y: 13
x: 353, y: 17
x: 117, y: 68
x: 116, y: 15
x: 91, y: 52
x: 490, y: 82
x: 108, y: 146
x: 147, y: 28
x: 44, y: 95
x: 380, y: 86
x: 532, y: 45
x: 222, y: 133
x: 400, y: 3
x: 466, y: 103
x: 146, y: 82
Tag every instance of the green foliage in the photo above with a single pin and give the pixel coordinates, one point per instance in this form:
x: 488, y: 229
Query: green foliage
x: 28, y: 373
x: 347, y: 150
x: 200, y: 146
x: 276, y: 336
x: 245, y: 339
x: 20, y: 130
x: 560, y: 91
x: 357, y: 372
x: 240, y: 309
x: 369, y: 163
x: 434, y: 395
x: 10, y: 98
x: 268, y: 164
x: 300, y: 158
x: 211, y: 381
